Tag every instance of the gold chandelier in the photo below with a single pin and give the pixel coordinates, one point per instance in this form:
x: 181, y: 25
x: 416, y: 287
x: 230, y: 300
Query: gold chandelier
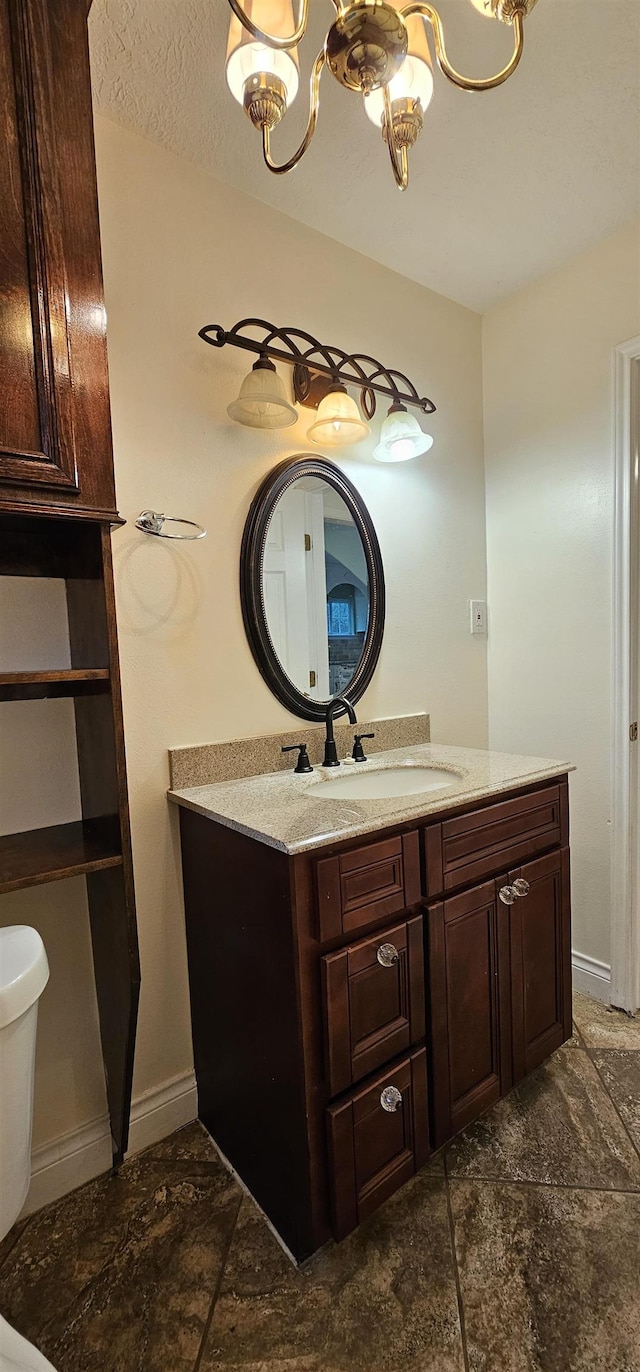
x: 376, y: 47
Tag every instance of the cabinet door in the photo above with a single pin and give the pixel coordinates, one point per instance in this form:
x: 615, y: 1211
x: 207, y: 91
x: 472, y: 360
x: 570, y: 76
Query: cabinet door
x: 468, y: 944
x: 540, y: 942
x: 55, y: 440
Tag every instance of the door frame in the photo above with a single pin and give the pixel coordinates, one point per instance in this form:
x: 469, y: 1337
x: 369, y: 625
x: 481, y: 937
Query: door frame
x: 625, y: 846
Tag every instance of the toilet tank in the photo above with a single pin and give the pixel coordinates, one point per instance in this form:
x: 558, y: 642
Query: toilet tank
x: 24, y: 973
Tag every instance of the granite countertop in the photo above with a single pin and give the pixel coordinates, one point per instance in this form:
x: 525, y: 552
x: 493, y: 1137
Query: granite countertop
x: 289, y: 812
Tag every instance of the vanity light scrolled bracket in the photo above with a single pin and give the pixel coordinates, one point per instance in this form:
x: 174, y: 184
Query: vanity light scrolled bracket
x: 320, y: 363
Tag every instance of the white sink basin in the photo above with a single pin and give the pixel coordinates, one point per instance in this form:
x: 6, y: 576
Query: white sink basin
x: 380, y: 785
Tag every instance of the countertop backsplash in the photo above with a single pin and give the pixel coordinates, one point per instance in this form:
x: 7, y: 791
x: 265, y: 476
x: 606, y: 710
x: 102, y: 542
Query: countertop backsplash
x: 207, y: 763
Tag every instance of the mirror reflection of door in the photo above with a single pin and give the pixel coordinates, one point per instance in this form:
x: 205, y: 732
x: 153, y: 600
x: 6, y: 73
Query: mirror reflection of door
x: 315, y: 588
x: 293, y: 581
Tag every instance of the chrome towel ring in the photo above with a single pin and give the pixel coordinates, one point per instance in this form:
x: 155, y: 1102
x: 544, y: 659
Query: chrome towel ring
x: 151, y: 522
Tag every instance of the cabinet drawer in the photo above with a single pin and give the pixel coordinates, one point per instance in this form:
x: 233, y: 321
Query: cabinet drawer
x: 373, y: 994
x: 367, y: 885
x: 494, y: 838
x: 373, y: 1150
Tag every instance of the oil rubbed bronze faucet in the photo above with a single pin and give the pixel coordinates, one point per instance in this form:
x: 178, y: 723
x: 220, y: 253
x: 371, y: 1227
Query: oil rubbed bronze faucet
x: 338, y: 703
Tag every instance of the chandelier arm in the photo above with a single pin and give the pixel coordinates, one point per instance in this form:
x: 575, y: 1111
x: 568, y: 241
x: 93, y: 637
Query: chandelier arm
x: 399, y: 163
x: 271, y: 40
x: 466, y: 83
x: 314, y: 106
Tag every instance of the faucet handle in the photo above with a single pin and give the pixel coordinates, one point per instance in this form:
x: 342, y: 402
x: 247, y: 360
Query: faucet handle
x: 358, y: 754
x: 303, y: 764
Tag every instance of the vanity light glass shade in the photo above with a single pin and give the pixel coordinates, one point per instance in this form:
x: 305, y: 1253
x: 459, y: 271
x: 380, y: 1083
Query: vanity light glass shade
x: 262, y: 402
x: 401, y: 437
x: 414, y: 81
x: 246, y: 57
x: 339, y: 420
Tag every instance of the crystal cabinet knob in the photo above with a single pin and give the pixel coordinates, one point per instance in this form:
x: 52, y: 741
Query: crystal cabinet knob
x: 391, y: 1099
x: 521, y: 887
x: 508, y: 895
x: 387, y: 955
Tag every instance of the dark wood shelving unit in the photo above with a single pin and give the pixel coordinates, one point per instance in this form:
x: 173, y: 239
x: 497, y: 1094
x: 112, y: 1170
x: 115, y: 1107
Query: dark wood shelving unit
x: 97, y: 846
x: 51, y: 685
x: 58, y: 851
x: 57, y: 490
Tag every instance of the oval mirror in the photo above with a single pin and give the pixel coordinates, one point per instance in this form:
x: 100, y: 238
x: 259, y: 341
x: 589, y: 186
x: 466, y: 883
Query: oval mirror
x: 312, y: 586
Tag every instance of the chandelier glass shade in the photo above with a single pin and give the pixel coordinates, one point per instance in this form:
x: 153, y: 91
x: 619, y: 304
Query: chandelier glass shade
x: 413, y: 82
x: 378, y: 48
x: 251, y: 63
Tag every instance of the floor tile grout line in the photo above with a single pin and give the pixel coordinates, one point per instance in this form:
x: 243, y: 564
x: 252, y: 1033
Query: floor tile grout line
x: 545, y: 1185
x: 590, y: 1053
x: 214, y: 1299
x: 456, y: 1270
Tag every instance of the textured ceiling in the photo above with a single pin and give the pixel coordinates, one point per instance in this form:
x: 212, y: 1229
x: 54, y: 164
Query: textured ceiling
x: 505, y: 186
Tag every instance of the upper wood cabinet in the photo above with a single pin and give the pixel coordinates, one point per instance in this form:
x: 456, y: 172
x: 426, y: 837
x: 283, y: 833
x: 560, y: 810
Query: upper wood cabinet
x: 55, y: 433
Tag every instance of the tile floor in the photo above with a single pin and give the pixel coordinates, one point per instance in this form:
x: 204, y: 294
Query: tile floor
x: 516, y: 1251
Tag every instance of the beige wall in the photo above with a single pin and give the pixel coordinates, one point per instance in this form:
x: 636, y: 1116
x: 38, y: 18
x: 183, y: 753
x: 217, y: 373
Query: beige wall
x: 549, y: 481
x: 181, y: 251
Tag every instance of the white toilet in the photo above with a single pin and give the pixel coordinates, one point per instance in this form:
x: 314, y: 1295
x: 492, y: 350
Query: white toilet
x: 24, y: 973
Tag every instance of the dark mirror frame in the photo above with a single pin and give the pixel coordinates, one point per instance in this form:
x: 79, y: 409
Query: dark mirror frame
x: 253, y: 610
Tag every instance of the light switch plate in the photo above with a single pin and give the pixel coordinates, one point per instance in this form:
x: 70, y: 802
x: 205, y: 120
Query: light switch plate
x: 478, y: 616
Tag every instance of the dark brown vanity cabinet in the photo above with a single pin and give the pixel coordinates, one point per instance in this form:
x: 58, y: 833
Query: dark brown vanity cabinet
x: 353, y: 1007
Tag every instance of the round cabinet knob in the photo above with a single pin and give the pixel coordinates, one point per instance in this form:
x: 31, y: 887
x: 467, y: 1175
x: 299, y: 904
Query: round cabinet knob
x: 508, y: 895
x: 391, y: 1099
x: 521, y: 887
x: 387, y: 955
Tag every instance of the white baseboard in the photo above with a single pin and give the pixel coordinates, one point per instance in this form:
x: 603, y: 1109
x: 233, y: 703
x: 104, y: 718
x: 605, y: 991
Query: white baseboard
x: 157, y: 1112
x: 75, y: 1158
x: 591, y: 977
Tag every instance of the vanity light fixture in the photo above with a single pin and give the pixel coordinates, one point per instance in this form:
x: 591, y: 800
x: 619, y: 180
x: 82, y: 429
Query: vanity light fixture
x: 262, y: 402
x: 339, y: 420
x: 377, y: 48
x: 321, y: 375
x: 401, y: 437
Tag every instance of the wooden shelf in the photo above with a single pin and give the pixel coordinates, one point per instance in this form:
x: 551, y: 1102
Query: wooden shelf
x: 59, y: 851
x: 47, y: 685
